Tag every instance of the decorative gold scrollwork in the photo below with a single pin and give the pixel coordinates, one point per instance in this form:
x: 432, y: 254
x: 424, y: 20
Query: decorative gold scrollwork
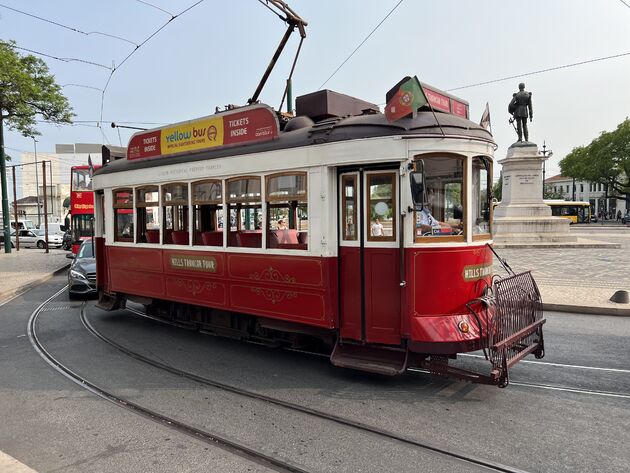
x: 274, y: 295
x: 273, y: 275
x: 195, y: 287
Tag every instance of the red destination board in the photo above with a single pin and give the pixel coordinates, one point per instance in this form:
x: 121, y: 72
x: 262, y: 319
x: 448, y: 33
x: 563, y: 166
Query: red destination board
x: 438, y: 101
x: 458, y: 108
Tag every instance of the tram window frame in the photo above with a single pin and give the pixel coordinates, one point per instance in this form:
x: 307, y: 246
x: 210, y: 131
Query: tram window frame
x: 142, y: 205
x: 178, y: 209
x: 290, y: 206
x: 477, y: 210
x: 208, y: 213
x: 393, y: 210
x: 122, y: 207
x: 237, y: 208
x: 427, y: 171
x: 354, y: 234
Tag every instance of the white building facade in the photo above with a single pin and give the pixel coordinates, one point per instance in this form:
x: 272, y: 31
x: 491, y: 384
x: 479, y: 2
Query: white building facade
x: 585, y: 191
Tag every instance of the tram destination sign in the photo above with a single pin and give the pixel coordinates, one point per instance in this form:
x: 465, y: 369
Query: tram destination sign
x: 242, y: 126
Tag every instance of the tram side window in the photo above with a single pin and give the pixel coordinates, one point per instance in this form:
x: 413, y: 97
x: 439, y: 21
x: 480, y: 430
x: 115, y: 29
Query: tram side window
x: 349, y: 209
x: 443, y: 212
x: 481, y: 186
x: 245, y: 212
x: 287, y: 207
x: 148, y: 212
x: 175, y: 214
x: 207, y: 200
x: 381, y: 188
x: 123, y: 215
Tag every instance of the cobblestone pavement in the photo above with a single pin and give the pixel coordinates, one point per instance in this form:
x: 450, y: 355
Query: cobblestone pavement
x: 583, y: 267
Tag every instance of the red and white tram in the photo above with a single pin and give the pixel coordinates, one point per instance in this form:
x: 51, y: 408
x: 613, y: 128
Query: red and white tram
x: 319, y: 229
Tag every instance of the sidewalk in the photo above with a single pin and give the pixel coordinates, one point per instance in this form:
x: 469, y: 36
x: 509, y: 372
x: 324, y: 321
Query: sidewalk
x: 24, y: 269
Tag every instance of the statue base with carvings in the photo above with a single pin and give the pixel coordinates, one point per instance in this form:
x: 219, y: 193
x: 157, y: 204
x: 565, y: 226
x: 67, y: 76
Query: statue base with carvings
x: 522, y: 217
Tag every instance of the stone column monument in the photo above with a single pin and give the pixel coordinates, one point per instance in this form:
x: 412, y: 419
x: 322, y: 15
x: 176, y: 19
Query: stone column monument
x: 522, y: 217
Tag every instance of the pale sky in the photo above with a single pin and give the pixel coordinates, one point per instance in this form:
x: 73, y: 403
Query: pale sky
x: 216, y: 53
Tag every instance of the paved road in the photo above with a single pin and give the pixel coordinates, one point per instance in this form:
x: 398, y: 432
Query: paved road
x: 53, y: 425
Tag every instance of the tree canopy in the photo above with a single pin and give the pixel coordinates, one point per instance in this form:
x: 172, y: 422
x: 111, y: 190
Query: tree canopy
x: 28, y: 90
x: 605, y: 160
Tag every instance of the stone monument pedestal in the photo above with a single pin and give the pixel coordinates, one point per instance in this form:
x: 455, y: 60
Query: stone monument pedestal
x: 522, y: 217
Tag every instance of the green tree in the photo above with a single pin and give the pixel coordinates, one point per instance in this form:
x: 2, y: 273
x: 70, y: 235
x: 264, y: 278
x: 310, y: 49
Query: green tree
x: 27, y: 92
x: 605, y: 160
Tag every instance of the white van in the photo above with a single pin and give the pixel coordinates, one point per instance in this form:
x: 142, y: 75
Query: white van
x: 23, y: 224
x: 54, y: 228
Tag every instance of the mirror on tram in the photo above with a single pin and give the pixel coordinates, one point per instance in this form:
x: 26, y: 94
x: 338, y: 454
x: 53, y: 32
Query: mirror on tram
x: 418, y: 189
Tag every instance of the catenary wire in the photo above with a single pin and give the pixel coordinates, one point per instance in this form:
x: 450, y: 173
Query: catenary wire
x: 155, y: 6
x: 626, y: 4
x: 115, y: 68
x: 76, y: 30
x: 361, y: 44
x: 549, y: 69
x: 63, y: 59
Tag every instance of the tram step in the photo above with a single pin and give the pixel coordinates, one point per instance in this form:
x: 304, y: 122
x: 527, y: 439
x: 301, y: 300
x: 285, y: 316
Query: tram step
x: 371, y: 359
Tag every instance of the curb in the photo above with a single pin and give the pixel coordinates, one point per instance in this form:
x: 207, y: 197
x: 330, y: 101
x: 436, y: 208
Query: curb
x: 587, y: 310
x: 8, y: 295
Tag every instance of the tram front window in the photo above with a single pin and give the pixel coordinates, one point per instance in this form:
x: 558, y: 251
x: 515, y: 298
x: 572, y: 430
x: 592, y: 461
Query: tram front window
x: 442, y: 215
x: 481, y: 185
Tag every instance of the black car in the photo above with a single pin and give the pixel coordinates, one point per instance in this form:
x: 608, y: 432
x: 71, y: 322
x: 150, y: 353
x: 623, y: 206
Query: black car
x: 82, y: 272
x: 626, y: 218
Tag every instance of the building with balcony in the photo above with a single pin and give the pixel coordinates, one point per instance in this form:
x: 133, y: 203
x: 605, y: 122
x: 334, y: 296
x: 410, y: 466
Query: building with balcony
x: 585, y: 191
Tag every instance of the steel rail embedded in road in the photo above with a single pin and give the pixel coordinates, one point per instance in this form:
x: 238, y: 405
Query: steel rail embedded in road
x: 205, y: 436
x: 488, y: 464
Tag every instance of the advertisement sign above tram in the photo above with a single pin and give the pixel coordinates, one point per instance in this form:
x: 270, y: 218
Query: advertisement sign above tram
x: 245, y: 125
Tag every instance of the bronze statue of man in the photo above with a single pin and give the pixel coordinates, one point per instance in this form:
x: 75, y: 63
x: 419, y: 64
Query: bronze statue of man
x: 520, y: 107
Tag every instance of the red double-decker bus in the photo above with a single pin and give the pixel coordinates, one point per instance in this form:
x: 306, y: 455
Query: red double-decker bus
x: 81, y: 205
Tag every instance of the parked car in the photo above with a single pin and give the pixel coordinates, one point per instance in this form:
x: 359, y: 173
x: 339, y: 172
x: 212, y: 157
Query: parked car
x: 626, y: 218
x: 82, y: 272
x: 36, y: 238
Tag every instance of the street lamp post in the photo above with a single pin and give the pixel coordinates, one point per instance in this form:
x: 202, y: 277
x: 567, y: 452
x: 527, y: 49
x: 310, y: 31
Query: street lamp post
x: 39, y: 216
x: 544, y: 152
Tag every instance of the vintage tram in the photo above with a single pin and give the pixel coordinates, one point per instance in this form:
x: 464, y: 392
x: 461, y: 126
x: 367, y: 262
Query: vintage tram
x: 334, y: 228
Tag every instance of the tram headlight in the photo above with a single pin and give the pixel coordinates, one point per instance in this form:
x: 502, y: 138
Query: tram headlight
x: 463, y: 326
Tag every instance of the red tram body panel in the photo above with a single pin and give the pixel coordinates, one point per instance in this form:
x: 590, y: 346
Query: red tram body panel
x: 371, y: 238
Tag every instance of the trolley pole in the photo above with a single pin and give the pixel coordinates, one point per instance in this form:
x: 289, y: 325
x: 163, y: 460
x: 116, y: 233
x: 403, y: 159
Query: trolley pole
x: 15, y: 213
x: 45, y: 206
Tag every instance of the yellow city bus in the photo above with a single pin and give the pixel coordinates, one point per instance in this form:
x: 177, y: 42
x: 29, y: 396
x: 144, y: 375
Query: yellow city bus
x: 577, y: 212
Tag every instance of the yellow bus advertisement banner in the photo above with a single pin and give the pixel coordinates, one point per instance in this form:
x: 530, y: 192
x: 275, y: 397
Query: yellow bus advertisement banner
x: 192, y: 136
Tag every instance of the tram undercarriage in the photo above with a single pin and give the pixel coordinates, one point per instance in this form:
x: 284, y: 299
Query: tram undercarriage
x: 509, y: 318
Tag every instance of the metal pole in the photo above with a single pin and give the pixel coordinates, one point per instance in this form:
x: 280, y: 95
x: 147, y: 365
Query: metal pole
x: 15, y: 212
x: 289, y: 96
x: 6, y: 218
x: 39, y: 216
x: 45, y: 206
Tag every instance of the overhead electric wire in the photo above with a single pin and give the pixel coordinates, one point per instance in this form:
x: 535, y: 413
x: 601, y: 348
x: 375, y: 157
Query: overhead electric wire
x: 76, y: 30
x: 63, y: 59
x: 115, y: 68
x: 626, y: 4
x: 156, y: 7
x: 361, y: 44
x: 549, y: 69
x: 82, y: 85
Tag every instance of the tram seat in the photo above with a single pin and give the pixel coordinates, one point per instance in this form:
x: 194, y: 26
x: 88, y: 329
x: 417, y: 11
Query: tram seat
x: 167, y: 237
x: 249, y: 239
x: 180, y: 237
x: 153, y: 236
x: 212, y: 238
x: 283, y: 237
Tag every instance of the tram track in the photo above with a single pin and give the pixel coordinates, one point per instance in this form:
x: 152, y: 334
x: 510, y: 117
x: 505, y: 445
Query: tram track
x: 549, y: 387
x: 487, y: 464
x: 205, y: 436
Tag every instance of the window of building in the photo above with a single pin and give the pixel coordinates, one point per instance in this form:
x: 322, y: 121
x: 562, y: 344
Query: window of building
x: 207, y: 201
x: 287, y: 210
x: 245, y: 211
x: 123, y: 214
x: 381, y: 204
x: 148, y: 214
x: 581, y: 187
x: 175, y: 214
x: 481, y: 186
x: 443, y: 213
x: 349, y: 207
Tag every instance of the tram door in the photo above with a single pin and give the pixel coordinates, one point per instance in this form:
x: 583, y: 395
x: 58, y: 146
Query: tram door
x: 369, y: 256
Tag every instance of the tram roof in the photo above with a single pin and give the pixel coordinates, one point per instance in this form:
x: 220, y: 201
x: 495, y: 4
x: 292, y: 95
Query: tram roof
x: 333, y: 130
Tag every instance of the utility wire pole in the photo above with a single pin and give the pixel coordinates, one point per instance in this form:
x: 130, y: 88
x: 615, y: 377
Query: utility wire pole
x: 5, y: 200
x: 39, y: 216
